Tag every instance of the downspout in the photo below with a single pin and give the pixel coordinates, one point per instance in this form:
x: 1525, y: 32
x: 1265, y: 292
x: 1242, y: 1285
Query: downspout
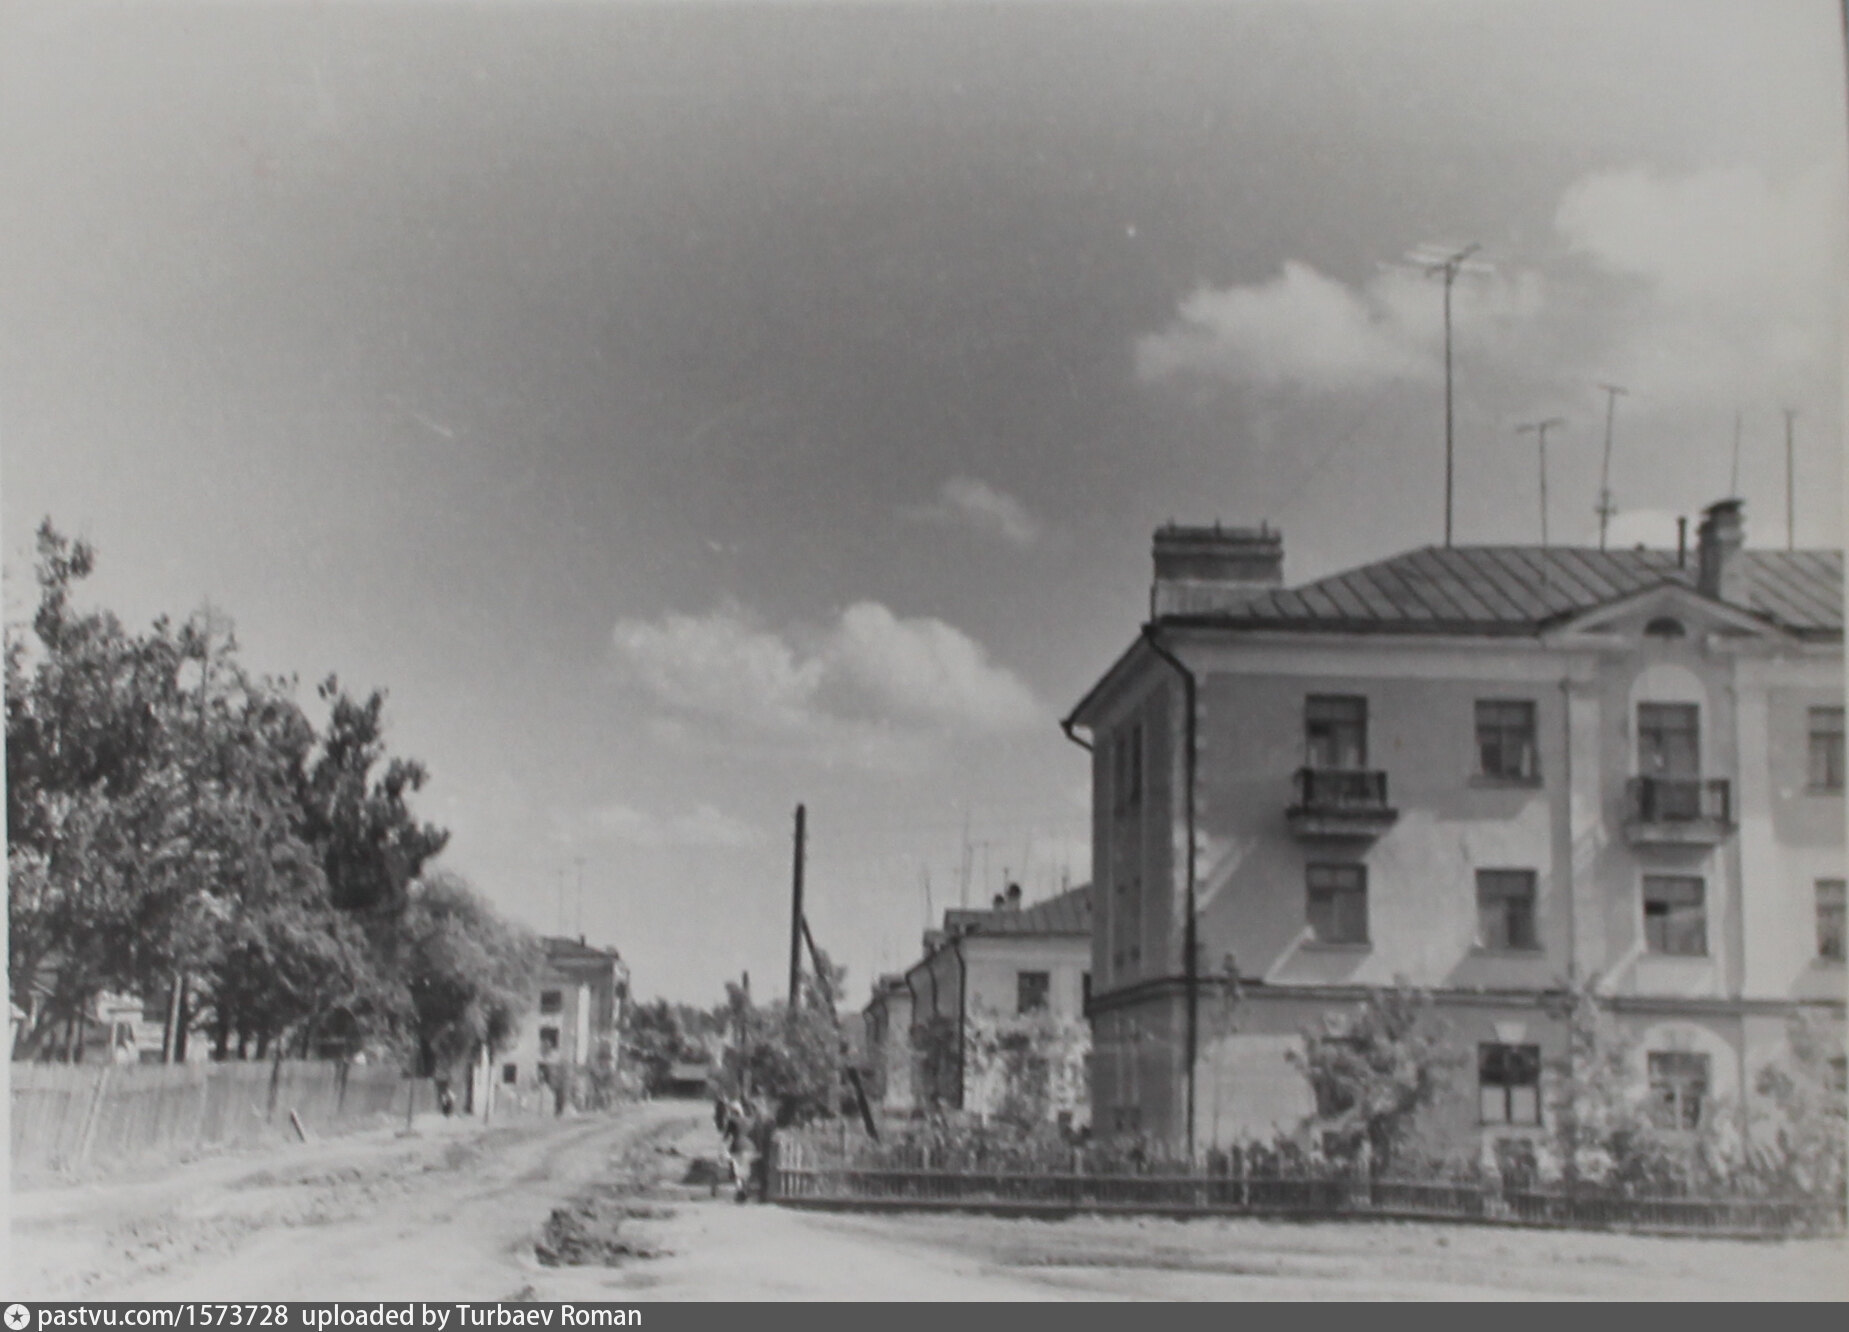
x: 962, y: 1023
x: 1190, y: 945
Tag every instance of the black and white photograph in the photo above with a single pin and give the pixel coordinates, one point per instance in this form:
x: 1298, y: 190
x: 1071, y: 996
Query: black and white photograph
x: 923, y: 650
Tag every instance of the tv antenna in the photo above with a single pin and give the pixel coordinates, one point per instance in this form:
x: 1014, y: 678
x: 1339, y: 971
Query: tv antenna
x: 1733, y: 478
x: 1612, y: 393
x: 1540, y: 429
x: 1447, y: 263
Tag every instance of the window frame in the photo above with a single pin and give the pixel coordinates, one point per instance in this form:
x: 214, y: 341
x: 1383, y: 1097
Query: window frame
x: 1044, y: 982
x: 1527, y: 732
x: 551, y: 1002
x: 1679, y: 1072
x: 1661, y: 934
x: 1332, y: 730
x: 1830, y: 931
x: 1333, y: 892
x: 1516, y: 1065
x: 1660, y: 711
x: 1824, y: 724
x: 1530, y: 882
x: 549, y: 1040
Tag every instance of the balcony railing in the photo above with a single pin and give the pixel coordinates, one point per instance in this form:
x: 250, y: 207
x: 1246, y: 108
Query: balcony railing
x: 1678, y: 809
x: 1341, y: 802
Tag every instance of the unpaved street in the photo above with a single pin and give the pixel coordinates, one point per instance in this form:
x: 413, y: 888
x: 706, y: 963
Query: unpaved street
x: 456, y: 1212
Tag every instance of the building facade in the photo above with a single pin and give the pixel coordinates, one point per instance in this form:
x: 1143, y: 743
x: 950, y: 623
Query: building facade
x: 572, y: 1030
x: 1488, y: 771
x: 993, y: 1014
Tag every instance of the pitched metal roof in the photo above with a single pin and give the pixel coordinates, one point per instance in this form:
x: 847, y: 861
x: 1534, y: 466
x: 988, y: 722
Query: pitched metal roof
x: 1067, y: 913
x: 1516, y: 589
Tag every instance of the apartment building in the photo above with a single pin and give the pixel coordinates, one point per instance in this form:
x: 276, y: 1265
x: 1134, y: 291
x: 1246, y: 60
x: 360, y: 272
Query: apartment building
x: 939, y: 1034
x: 573, y: 1028
x: 1484, y: 770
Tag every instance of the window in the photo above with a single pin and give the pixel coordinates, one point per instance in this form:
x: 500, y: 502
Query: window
x: 1826, y: 749
x: 1085, y: 989
x: 1127, y: 773
x: 1830, y: 919
x: 1675, y: 915
x: 551, y: 1001
x: 1668, y: 740
x: 1334, y: 731
x: 1509, y: 1084
x: 1666, y: 626
x: 1838, y: 1077
x: 1126, y: 934
x: 1338, y: 903
x: 1505, y: 740
x: 1030, y: 991
x: 1505, y: 909
x: 510, y: 1074
x: 1678, y: 1087
x: 548, y: 1040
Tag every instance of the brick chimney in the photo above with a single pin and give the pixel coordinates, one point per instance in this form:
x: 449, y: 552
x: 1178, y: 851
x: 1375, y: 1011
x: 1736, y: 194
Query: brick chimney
x: 1720, y: 570
x: 1201, y: 570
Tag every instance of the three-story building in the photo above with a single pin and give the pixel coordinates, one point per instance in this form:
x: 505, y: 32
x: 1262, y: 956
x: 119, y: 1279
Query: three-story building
x: 1487, y: 771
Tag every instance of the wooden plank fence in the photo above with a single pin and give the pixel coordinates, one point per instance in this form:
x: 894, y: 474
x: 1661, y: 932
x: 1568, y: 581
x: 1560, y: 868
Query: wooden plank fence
x: 70, y: 1117
x: 803, y: 1176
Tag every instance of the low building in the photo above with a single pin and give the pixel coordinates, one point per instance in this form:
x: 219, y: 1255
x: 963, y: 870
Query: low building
x: 991, y: 1020
x: 569, y: 1042
x: 1486, y: 770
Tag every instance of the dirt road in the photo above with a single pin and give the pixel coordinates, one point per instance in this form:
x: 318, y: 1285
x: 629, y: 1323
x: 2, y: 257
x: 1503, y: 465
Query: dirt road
x: 455, y: 1212
x: 448, y: 1214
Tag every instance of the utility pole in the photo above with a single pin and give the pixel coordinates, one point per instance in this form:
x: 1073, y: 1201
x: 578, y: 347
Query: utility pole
x: 796, y: 918
x: 1791, y: 494
x: 1540, y: 429
x: 1449, y: 266
x: 1612, y: 393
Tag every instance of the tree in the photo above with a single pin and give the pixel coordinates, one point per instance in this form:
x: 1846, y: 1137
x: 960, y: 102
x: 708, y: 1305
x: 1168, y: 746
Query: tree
x: 469, y: 975
x: 1804, y: 1140
x: 1374, y: 1070
x: 372, y: 848
x: 656, y: 1037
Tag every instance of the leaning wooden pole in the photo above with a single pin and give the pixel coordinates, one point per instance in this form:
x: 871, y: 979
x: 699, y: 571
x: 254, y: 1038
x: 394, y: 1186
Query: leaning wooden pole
x: 796, y: 920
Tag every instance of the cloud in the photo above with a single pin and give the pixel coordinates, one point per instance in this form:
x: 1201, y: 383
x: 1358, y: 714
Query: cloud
x: 866, y: 689
x: 704, y: 826
x: 976, y: 505
x: 1727, y: 284
x: 1303, y: 329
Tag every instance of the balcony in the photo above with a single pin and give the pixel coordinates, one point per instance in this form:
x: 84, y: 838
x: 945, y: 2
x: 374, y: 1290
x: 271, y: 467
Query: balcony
x: 1346, y: 803
x: 1677, y: 811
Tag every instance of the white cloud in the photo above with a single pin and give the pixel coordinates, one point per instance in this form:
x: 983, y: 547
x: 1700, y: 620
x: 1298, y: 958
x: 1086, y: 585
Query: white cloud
x: 926, y: 670
x: 865, y: 690
x: 704, y: 826
x: 721, y: 665
x: 1730, y: 283
x: 976, y: 505
x: 1304, y: 329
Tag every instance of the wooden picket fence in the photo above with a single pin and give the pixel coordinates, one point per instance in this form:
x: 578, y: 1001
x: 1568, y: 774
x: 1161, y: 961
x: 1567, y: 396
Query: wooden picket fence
x: 808, y: 1174
x: 73, y: 1117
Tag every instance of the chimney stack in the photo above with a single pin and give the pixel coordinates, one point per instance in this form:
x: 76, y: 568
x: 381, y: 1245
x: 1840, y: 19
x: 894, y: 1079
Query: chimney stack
x: 1202, y: 570
x: 1720, y: 570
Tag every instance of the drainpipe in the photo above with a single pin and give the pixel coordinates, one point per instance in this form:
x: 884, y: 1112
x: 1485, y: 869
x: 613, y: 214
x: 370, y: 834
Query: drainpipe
x: 962, y: 1024
x: 1190, y: 946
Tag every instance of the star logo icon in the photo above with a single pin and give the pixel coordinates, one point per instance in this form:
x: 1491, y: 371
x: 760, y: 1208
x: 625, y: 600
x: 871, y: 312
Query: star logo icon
x: 17, y: 1316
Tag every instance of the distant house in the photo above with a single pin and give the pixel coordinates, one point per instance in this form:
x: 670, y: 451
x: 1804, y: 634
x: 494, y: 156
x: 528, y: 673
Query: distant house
x: 993, y: 1011
x: 571, y: 1031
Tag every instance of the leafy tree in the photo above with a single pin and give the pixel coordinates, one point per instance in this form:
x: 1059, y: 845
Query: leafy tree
x: 469, y: 975
x: 1802, y: 1149
x: 372, y: 847
x: 656, y: 1036
x: 1374, y: 1070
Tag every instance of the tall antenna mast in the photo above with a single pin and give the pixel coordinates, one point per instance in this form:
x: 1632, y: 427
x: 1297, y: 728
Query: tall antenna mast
x: 1448, y: 267
x: 1791, y: 494
x: 1733, y: 478
x: 1612, y: 393
x: 1540, y: 429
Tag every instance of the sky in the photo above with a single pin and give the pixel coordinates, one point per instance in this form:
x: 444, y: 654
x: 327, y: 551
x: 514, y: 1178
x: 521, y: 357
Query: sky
x: 685, y: 411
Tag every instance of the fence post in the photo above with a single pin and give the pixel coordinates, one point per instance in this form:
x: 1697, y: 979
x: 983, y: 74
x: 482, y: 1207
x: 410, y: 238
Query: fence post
x: 81, y: 1156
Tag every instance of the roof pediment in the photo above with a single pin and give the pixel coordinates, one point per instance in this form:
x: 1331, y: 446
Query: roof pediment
x: 1669, y: 610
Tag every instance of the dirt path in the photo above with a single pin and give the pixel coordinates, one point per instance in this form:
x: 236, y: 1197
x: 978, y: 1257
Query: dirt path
x: 449, y: 1214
